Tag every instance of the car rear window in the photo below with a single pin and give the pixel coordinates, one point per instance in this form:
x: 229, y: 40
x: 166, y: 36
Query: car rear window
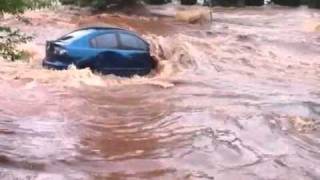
x: 105, y: 41
x: 129, y: 41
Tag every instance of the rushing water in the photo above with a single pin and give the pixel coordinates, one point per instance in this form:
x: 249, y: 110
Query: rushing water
x: 235, y: 99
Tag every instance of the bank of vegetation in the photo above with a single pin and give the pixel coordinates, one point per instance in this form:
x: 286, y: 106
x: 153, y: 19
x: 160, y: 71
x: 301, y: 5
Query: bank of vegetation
x: 122, y: 3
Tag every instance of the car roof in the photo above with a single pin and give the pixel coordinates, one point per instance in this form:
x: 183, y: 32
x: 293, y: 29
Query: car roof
x: 102, y: 28
x: 107, y: 28
x: 99, y: 28
x: 81, y: 32
x: 94, y: 29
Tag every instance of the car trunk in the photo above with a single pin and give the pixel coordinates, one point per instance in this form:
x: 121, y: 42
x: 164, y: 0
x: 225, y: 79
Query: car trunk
x: 55, y: 51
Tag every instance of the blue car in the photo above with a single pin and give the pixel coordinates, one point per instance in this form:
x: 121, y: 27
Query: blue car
x: 103, y: 49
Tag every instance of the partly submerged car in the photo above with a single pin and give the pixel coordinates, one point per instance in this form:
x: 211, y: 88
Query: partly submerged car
x: 107, y: 50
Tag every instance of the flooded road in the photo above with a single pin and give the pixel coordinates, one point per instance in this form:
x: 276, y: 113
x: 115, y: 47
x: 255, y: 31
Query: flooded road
x: 235, y: 99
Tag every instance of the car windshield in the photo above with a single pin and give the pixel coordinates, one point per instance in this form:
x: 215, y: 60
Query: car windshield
x: 73, y: 36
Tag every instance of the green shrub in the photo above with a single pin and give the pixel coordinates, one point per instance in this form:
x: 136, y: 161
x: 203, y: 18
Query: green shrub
x: 100, y: 3
x: 156, y: 1
x: 314, y: 4
x: 231, y: 2
x: 188, y: 2
x: 287, y: 2
x: 9, y: 39
x: 254, y: 2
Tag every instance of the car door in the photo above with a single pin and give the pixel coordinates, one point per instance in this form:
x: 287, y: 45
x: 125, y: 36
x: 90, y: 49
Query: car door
x: 137, y: 51
x: 110, y: 59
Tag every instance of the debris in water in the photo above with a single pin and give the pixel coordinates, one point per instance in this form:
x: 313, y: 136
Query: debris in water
x: 192, y: 16
x: 304, y: 125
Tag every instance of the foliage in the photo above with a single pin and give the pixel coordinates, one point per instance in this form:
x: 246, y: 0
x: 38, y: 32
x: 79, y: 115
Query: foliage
x: 18, y: 6
x: 188, y: 2
x: 10, y: 38
x: 8, y: 41
x: 101, y: 4
x: 156, y: 1
x: 287, y: 2
x: 314, y: 4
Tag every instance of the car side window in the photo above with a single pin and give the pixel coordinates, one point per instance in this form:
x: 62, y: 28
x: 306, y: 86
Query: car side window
x: 105, y: 41
x: 131, y: 42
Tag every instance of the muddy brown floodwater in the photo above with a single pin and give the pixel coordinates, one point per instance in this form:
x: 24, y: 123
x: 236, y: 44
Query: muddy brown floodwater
x: 235, y: 99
